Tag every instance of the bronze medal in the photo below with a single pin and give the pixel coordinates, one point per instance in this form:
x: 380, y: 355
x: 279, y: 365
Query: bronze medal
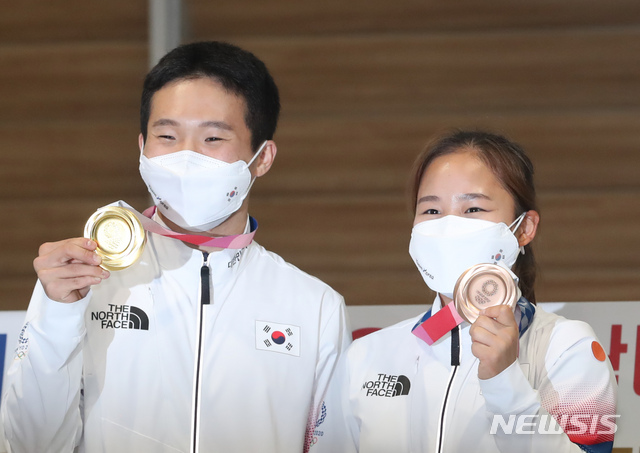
x: 119, y: 235
x: 483, y: 286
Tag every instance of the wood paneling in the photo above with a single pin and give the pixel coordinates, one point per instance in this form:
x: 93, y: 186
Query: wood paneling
x: 73, y: 20
x: 70, y: 159
x: 16, y: 291
x: 592, y: 285
x: 444, y: 73
x: 71, y: 81
x: 360, y: 75
x: 343, y: 155
x: 590, y: 230
x: 286, y: 17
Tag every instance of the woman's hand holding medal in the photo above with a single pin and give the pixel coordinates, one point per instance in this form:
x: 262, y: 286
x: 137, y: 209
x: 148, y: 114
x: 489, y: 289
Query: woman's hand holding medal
x: 486, y: 296
x: 495, y: 340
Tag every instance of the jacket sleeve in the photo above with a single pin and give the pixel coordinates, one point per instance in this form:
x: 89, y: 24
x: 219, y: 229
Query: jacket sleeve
x: 41, y: 404
x: 340, y: 431
x: 335, y: 337
x: 572, y: 410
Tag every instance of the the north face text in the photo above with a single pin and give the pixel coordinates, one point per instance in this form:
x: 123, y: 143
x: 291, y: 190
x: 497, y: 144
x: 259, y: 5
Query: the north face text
x: 388, y: 385
x: 122, y: 317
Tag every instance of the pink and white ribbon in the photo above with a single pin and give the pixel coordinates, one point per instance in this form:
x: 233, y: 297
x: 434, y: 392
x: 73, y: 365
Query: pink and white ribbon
x: 236, y: 241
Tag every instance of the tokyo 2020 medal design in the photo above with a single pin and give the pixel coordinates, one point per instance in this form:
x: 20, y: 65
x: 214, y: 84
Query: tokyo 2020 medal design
x: 119, y: 235
x: 483, y: 286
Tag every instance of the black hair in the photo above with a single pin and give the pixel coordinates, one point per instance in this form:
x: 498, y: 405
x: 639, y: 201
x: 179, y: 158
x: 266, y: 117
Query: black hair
x: 238, y: 71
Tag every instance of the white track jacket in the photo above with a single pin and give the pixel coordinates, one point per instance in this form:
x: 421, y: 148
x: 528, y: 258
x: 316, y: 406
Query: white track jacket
x: 397, y: 394
x: 141, y: 365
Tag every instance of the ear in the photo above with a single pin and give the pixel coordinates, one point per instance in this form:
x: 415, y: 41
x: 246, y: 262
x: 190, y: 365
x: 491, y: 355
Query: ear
x: 265, y: 160
x: 140, y: 142
x: 527, y: 230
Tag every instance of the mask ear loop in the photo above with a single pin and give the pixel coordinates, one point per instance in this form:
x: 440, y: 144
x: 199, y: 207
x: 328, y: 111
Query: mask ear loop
x: 517, y: 222
x: 257, y: 153
x: 251, y: 161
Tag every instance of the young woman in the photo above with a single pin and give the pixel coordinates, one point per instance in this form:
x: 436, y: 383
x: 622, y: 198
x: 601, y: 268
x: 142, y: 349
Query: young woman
x: 517, y: 379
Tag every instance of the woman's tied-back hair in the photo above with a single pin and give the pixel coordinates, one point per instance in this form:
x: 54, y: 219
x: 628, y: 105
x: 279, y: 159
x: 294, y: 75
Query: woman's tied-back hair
x: 511, y: 166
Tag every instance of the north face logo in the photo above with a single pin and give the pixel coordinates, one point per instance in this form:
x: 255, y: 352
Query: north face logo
x: 122, y: 317
x: 388, y: 386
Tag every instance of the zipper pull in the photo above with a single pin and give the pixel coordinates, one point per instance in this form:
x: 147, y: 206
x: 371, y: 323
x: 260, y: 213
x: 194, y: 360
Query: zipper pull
x: 205, y: 280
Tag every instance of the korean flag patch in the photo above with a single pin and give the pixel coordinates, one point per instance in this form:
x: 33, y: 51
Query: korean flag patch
x: 271, y: 336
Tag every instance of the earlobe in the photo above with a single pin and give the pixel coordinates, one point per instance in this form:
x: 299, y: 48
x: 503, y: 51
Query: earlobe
x: 528, y: 229
x: 141, y: 143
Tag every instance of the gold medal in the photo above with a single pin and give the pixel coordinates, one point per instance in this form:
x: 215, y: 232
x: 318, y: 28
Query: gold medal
x: 119, y: 235
x: 483, y: 286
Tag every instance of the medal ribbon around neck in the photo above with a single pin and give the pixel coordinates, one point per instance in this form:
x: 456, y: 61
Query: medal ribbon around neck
x: 236, y: 241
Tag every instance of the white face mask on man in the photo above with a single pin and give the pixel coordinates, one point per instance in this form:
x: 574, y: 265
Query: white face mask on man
x: 444, y: 248
x: 194, y: 191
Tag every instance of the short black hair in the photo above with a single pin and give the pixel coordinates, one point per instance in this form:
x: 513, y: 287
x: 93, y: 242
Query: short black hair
x: 238, y: 71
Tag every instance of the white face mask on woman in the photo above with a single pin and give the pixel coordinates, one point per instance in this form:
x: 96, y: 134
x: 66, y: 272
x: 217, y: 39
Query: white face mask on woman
x: 194, y: 191
x: 446, y: 247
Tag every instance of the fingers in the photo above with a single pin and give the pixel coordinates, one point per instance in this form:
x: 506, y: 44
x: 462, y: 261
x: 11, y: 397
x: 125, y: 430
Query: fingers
x: 481, y: 351
x: 502, y: 314
x: 69, y: 290
x: 494, y: 337
x: 55, y: 254
x: 68, y: 268
x: 494, y: 321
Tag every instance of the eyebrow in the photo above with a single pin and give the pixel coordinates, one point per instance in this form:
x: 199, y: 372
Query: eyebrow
x: 164, y: 122
x: 472, y: 196
x: 429, y: 198
x: 217, y: 124
x: 463, y: 197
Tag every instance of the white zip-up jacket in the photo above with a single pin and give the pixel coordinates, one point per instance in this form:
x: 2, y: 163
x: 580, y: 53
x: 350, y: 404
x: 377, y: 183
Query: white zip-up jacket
x: 394, y: 393
x: 142, y: 365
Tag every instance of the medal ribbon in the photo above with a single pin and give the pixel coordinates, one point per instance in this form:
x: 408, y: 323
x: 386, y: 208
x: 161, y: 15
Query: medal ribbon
x: 431, y: 328
x: 436, y: 326
x: 236, y: 241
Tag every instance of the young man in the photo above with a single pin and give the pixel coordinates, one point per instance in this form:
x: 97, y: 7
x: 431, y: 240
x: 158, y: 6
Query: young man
x: 192, y: 348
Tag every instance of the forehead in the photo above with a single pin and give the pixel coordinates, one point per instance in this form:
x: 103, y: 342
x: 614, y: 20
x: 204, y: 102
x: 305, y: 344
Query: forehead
x: 460, y: 162
x: 203, y: 96
x: 462, y: 171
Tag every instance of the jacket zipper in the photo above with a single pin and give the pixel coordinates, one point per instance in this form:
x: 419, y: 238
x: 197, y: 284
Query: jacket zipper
x: 455, y: 363
x: 205, y: 299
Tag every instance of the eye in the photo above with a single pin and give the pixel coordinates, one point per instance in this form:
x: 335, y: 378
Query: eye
x: 474, y: 210
x: 212, y: 139
x: 166, y: 137
x: 431, y: 212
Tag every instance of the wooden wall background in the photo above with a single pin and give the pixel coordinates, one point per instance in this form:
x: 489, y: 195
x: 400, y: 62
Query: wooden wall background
x: 364, y: 85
